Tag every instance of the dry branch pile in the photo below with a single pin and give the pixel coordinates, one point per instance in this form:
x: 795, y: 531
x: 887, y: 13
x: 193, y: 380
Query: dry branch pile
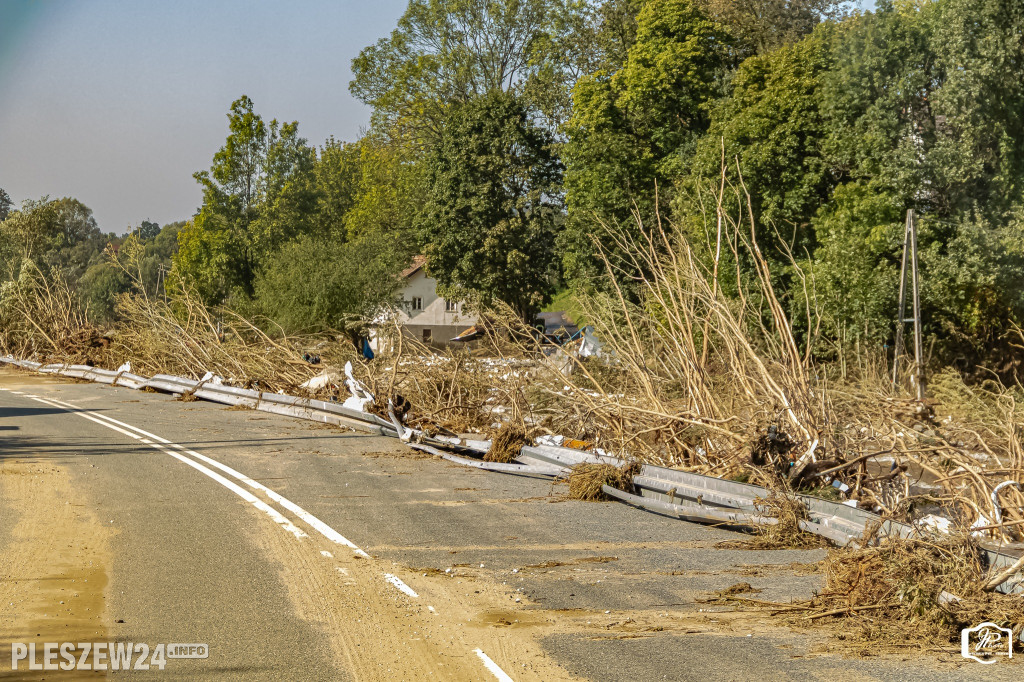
x: 42, y: 316
x: 910, y: 592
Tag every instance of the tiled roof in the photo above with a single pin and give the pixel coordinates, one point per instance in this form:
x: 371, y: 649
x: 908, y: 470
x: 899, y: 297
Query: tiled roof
x: 417, y: 263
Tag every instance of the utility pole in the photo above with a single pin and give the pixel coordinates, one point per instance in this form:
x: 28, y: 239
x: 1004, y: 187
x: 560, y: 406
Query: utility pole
x: 910, y: 263
x: 161, y: 280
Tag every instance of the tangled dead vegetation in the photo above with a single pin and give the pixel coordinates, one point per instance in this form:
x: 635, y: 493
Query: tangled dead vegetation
x: 789, y: 511
x: 42, y: 316
x: 506, y: 443
x: 586, y: 480
x: 911, y: 592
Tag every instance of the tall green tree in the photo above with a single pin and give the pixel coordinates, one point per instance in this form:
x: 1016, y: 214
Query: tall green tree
x: 633, y: 125
x: 5, y: 204
x: 446, y: 52
x: 54, y: 233
x: 258, y: 194
x: 316, y: 284
x: 491, y: 213
x: 760, y: 26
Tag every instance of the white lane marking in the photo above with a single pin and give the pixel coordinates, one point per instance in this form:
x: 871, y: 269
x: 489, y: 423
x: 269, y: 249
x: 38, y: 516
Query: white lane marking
x: 492, y: 666
x: 321, y: 527
x: 16, y: 392
x: 277, y: 516
x: 313, y: 521
x: 402, y: 587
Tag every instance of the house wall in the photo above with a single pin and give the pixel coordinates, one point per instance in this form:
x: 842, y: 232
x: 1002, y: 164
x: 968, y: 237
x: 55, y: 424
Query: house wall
x: 443, y: 325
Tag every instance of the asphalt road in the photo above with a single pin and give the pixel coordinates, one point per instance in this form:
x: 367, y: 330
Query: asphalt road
x: 299, y: 551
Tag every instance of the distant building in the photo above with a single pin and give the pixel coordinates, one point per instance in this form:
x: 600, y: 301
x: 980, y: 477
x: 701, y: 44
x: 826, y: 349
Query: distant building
x: 423, y: 314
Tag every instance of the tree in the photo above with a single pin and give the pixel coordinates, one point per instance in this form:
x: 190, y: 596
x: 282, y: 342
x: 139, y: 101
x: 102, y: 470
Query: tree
x: 257, y: 195
x: 445, y: 52
x: 5, y: 204
x: 317, y: 284
x: 58, y: 233
x: 100, y: 287
x: 771, y: 129
x: 148, y: 230
x: 632, y: 128
x: 491, y: 212
x: 761, y: 26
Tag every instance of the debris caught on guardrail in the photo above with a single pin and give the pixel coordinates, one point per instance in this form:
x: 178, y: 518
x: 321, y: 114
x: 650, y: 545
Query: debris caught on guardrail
x: 686, y: 495
x: 587, y: 481
x: 506, y: 444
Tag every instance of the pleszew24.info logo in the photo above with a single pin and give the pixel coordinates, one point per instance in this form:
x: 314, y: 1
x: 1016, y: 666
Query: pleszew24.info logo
x: 986, y: 643
x: 100, y: 655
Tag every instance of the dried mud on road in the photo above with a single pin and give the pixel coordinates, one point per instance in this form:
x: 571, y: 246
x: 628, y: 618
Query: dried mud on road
x: 53, y: 573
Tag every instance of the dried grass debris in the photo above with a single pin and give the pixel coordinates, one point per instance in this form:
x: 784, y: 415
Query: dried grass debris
x: 506, y: 444
x: 586, y: 480
x: 909, y: 592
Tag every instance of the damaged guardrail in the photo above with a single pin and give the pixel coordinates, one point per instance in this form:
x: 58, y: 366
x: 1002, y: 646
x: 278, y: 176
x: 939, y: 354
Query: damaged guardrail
x: 680, y: 494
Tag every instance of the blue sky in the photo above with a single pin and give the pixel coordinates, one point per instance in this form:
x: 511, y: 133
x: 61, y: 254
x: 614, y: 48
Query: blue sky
x: 118, y: 103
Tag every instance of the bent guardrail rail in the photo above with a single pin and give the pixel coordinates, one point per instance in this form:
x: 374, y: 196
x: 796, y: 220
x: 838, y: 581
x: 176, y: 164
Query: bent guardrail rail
x: 681, y: 494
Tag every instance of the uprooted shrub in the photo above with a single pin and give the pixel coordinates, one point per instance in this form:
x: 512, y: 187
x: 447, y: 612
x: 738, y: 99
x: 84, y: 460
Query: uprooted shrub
x: 911, y: 592
x: 42, y: 316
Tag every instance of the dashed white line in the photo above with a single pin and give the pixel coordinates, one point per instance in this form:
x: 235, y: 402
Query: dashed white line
x: 492, y: 666
x: 402, y: 587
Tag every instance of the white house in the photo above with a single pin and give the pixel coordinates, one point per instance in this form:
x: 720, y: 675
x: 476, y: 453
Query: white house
x: 425, y: 315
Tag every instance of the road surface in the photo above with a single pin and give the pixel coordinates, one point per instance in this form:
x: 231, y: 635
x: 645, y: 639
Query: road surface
x: 298, y: 551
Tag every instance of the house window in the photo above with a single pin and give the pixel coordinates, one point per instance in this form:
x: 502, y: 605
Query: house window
x: 426, y: 336
x: 417, y: 303
x: 451, y: 306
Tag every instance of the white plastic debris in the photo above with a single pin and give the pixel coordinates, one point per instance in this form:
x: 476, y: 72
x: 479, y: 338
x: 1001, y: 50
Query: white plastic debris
x: 980, y: 523
x: 212, y: 379
x: 354, y: 403
x: 126, y: 367
x: 554, y: 441
x: 590, y: 346
x: 353, y: 384
x: 323, y: 380
x: 939, y: 524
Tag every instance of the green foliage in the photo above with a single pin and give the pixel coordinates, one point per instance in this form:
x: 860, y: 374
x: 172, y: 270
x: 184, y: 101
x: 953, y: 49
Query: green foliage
x: 317, y: 284
x: 100, y: 287
x: 762, y: 26
x: 771, y: 128
x: 58, y: 233
x: 5, y: 204
x: 390, y: 187
x: 258, y: 194
x: 490, y: 218
x: 856, y: 267
x: 446, y: 52
x: 632, y: 127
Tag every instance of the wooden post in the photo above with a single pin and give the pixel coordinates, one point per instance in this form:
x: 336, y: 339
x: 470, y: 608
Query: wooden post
x: 918, y: 346
x: 909, y: 263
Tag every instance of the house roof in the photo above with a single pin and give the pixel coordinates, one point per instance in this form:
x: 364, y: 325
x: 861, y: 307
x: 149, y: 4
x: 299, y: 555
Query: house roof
x: 417, y: 263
